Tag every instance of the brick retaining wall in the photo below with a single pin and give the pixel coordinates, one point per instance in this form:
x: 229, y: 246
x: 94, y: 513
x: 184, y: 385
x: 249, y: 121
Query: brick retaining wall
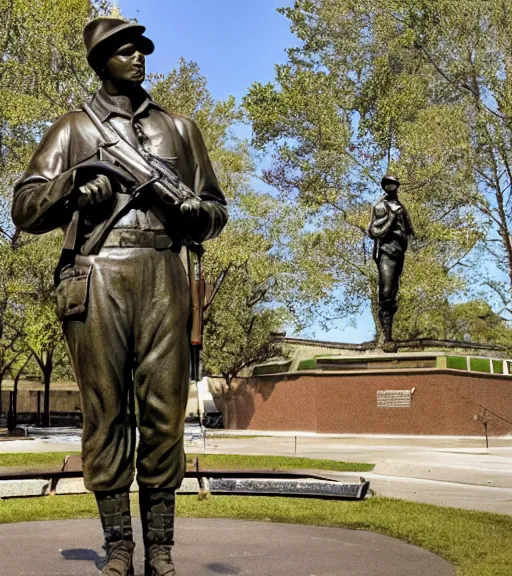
x: 444, y: 402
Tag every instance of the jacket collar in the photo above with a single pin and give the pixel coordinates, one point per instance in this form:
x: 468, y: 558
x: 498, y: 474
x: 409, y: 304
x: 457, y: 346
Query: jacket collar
x: 107, y: 106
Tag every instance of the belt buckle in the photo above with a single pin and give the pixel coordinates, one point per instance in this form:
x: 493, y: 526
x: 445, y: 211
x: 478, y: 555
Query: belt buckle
x: 129, y: 238
x: 147, y: 239
x: 123, y: 240
x: 161, y: 242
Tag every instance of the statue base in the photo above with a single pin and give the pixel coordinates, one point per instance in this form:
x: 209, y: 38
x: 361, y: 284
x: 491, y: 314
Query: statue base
x: 428, y: 387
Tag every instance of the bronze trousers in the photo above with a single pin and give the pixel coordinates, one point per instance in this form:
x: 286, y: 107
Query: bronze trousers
x: 390, y: 270
x: 133, y: 344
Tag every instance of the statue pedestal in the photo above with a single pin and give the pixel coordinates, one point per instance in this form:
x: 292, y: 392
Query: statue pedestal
x: 425, y: 388
x: 204, y: 547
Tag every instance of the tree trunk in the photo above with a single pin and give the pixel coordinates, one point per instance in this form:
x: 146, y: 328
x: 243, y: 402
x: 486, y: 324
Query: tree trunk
x: 15, y: 395
x: 47, y: 374
x: 15, y: 401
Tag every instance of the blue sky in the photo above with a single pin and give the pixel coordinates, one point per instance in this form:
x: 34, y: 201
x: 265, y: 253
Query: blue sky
x: 235, y: 43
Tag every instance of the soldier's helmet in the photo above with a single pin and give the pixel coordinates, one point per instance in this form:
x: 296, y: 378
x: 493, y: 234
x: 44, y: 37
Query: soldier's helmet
x: 389, y: 179
x: 104, y: 35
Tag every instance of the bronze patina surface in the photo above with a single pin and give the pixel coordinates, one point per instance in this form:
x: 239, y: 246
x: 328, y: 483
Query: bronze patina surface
x: 125, y: 304
x: 390, y: 228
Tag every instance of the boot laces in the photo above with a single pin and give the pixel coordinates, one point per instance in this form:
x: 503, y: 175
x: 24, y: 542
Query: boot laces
x: 122, y: 551
x: 161, y: 560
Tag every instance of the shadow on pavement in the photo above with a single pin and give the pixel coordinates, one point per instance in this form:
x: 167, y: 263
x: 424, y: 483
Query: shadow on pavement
x: 83, y: 554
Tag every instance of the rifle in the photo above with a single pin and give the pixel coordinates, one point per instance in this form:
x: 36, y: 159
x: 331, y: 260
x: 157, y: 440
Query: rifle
x: 197, y: 294
x: 148, y: 171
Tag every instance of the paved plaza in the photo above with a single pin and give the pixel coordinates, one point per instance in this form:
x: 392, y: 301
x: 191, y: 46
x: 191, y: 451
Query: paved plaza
x: 212, y: 546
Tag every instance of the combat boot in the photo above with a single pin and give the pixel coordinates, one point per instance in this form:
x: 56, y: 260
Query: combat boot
x: 157, y: 515
x: 114, y: 509
x: 386, y: 322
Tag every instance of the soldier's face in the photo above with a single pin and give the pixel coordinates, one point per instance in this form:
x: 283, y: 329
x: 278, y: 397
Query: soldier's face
x: 127, y: 66
x: 391, y: 188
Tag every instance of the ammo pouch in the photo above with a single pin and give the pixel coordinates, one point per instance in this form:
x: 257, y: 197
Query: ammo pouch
x: 73, y: 291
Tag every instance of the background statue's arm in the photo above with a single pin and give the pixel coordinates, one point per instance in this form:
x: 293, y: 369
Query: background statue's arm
x: 40, y: 196
x: 213, y: 202
x: 409, y: 227
x: 381, y: 222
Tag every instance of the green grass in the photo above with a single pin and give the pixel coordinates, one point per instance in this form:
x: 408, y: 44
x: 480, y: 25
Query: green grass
x: 52, y: 460
x: 308, y: 364
x: 497, y: 366
x: 480, y: 365
x: 41, y: 460
x: 234, y: 461
x: 213, y: 436
x: 456, y: 362
x: 477, y: 543
x: 273, y: 368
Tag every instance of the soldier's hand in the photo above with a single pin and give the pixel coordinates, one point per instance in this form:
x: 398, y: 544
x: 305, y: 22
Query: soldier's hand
x: 191, y: 208
x: 196, y: 218
x: 95, y: 192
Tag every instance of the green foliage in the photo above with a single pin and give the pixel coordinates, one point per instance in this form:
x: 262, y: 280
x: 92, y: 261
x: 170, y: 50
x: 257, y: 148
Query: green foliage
x: 255, y: 283
x: 43, y: 73
x: 258, y: 283
x: 474, y: 320
x: 415, y: 88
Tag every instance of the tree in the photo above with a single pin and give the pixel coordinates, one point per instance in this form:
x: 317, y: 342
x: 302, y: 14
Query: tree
x: 255, y: 280
x: 473, y: 321
x: 43, y: 74
x: 355, y: 100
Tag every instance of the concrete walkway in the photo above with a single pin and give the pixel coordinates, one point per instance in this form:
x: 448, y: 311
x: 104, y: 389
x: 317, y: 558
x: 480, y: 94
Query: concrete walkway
x: 210, y: 546
x: 458, y: 472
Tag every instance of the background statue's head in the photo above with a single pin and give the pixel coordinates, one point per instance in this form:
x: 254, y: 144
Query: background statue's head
x: 390, y: 184
x: 116, y: 50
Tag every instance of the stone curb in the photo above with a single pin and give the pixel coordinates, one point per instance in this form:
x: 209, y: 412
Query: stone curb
x: 298, y: 487
x: 24, y: 488
x: 77, y: 486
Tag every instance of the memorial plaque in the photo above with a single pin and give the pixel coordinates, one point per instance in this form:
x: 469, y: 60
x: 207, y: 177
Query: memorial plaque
x: 393, y: 398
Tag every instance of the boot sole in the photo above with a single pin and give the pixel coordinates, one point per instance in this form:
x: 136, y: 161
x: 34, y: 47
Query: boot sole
x: 131, y: 572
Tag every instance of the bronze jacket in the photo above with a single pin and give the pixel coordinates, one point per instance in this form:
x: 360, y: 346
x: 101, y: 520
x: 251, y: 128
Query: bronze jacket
x: 388, y: 230
x: 42, y: 196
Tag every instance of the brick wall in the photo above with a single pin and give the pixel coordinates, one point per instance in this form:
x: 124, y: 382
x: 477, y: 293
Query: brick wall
x: 443, y: 403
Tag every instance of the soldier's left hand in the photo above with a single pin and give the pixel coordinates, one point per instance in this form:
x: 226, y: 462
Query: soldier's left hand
x: 95, y: 191
x: 196, y: 218
x: 191, y: 208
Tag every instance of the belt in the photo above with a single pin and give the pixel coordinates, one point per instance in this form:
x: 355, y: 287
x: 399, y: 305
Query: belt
x: 133, y: 238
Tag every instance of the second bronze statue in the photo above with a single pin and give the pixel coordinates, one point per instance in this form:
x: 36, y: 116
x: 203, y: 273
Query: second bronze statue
x: 125, y: 305
x: 390, y: 228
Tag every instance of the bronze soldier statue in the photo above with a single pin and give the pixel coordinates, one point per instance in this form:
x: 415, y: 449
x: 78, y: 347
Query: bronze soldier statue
x: 390, y: 227
x: 130, y: 185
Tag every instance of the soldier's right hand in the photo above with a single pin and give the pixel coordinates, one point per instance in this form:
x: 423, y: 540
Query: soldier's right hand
x: 95, y: 191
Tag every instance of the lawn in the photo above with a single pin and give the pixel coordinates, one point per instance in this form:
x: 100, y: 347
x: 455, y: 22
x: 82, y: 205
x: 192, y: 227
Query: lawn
x: 35, y: 461
x: 477, y: 543
x: 54, y: 460
x: 235, y: 461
